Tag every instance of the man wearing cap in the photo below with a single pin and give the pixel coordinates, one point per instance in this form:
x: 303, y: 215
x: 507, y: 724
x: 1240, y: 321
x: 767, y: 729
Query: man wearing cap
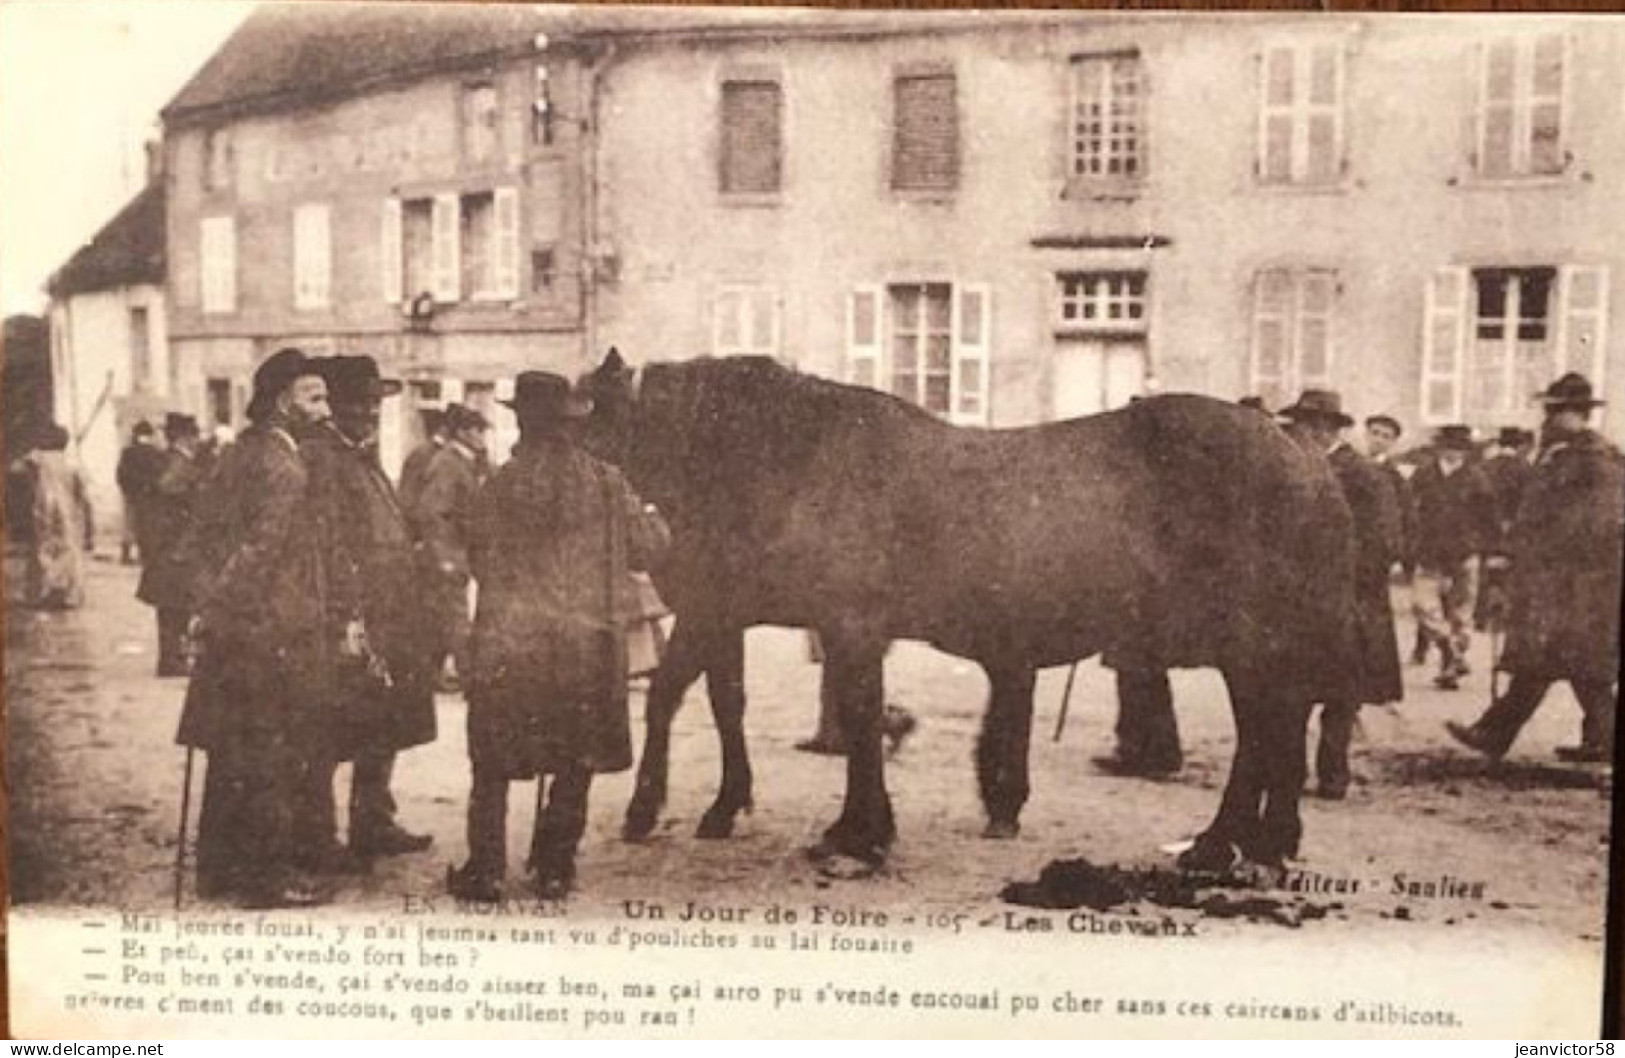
x: 268, y: 635
x: 1382, y: 433
x: 1568, y: 542
x: 1508, y: 472
x: 441, y: 513
x: 417, y: 460
x: 1316, y: 423
x: 386, y: 681
x: 165, y: 578
x: 554, y: 536
x: 1455, y: 523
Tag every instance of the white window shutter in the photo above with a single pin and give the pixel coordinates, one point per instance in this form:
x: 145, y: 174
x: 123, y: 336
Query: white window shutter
x: 1444, y: 341
x: 1272, y: 342
x: 1317, y: 296
x: 863, y: 336
x: 312, y: 256
x: 389, y: 251
x: 1277, y: 90
x: 322, y: 280
x: 727, y: 327
x: 446, y: 252
x: 219, y: 267
x: 506, y: 252
x: 1583, y: 322
x: 972, y: 321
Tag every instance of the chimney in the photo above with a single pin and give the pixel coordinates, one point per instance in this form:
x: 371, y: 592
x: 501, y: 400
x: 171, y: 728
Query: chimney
x: 155, y: 161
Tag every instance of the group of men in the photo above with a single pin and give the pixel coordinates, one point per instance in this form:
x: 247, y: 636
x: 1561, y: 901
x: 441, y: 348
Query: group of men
x: 1535, y: 534
x: 302, y: 574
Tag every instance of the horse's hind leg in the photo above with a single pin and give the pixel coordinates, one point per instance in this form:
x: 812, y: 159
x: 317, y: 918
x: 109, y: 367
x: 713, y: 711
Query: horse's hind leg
x: 1285, y: 725
x: 1237, y: 822
x: 679, y: 670
x: 1002, y: 749
x: 725, y: 678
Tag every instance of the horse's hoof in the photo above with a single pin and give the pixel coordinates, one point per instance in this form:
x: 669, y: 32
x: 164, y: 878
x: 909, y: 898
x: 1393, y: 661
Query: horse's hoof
x: 638, y: 826
x: 871, y: 851
x: 714, y: 826
x: 1261, y: 875
x: 1209, y: 856
x: 1001, y: 830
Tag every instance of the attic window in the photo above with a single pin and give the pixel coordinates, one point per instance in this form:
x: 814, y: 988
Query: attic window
x: 480, y: 116
x: 217, y: 160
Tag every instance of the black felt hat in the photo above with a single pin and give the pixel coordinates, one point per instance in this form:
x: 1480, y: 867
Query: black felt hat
x: 1322, y: 404
x: 543, y: 394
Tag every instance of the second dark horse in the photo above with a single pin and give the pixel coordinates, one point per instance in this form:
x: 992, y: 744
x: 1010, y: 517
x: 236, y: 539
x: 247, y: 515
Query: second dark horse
x: 1185, y: 530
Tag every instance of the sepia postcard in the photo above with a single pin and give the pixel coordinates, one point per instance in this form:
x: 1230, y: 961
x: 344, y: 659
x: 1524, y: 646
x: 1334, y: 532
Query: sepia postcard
x: 532, y: 520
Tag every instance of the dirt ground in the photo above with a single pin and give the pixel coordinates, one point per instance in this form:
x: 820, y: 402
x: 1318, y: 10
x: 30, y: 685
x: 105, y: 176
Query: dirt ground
x: 95, y: 783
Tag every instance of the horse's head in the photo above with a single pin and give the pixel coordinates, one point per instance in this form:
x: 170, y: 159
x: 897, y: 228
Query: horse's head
x: 612, y: 387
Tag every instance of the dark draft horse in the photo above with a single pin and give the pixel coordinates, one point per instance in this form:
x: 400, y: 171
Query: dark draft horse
x: 1181, y: 529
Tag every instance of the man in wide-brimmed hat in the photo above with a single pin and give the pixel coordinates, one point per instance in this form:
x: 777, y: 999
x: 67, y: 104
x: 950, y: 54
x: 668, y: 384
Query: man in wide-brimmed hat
x: 385, y: 690
x: 1568, y: 542
x: 439, y: 518
x: 268, y: 634
x: 165, y: 577
x: 1455, y: 525
x: 1317, y: 422
x: 553, y: 537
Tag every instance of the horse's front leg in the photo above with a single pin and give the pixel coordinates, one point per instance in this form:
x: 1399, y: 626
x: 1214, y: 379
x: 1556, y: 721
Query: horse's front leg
x: 725, y: 678
x: 1003, y: 746
x: 855, y: 669
x: 677, y: 673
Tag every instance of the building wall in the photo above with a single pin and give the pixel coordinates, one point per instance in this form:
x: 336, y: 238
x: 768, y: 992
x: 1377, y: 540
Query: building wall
x: 99, y: 392
x: 403, y: 142
x: 1407, y: 204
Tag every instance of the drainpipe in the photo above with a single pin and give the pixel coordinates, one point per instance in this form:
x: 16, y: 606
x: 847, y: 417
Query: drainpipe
x: 591, y: 195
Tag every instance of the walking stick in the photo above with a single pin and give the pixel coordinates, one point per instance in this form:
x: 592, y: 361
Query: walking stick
x: 1066, y: 701
x: 180, y: 840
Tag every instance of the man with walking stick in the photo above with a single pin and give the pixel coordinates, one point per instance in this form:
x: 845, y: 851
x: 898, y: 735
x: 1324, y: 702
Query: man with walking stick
x: 268, y: 643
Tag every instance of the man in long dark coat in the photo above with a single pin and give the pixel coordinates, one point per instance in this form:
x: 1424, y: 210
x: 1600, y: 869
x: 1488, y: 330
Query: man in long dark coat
x: 269, y: 631
x: 1508, y: 472
x: 440, y: 517
x: 138, y: 468
x: 1316, y: 422
x: 554, y: 535
x: 1382, y: 434
x: 386, y: 691
x: 1455, y: 524
x: 1567, y: 548
x: 417, y: 460
x: 165, y: 577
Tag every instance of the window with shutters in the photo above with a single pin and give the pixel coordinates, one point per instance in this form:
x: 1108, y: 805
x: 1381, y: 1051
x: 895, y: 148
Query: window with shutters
x: 416, y: 237
x: 745, y: 321
x: 480, y: 120
x: 1107, y: 120
x: 140, y: 346
x: 312, y: 257
x: 1300, y: 119
x: 1496, y: 336
x: 927, y: 343
x: 1293, y: 318
x: 925, y: 132
x: 218, y: 258
x: 751, y: 156
x: 1522, y: 84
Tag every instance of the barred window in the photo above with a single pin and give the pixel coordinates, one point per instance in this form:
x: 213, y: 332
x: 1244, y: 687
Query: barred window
x: 1101, y: 301
x: 1107, y: 121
